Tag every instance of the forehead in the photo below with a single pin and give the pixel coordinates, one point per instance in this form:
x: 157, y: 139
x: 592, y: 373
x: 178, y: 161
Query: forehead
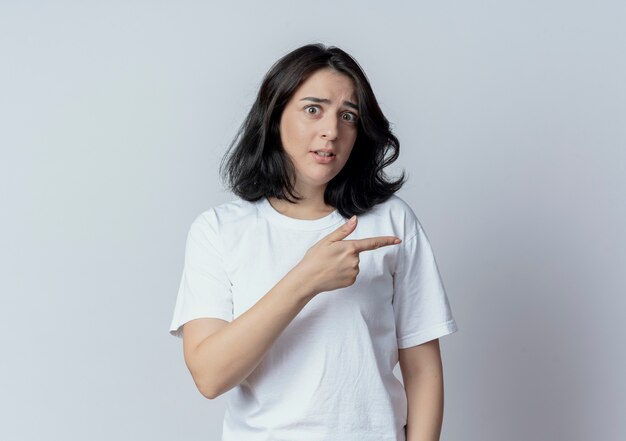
x: 327, y: 83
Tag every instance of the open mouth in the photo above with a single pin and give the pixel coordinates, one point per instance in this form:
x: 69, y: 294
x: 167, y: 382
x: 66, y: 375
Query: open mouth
x: 323, y: 154
x: 323, y: 157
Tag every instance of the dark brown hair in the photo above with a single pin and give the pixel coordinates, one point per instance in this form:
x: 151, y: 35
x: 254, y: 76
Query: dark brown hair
x: 256, y: 165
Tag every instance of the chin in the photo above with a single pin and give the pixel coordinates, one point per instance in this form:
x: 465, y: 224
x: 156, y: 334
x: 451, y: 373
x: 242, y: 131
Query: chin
x: 322, y: 180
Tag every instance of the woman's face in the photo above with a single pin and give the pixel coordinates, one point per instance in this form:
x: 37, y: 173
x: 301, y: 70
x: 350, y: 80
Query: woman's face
x: 321, y: 116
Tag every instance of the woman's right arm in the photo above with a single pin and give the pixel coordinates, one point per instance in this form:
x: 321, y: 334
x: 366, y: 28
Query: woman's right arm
x: 221, y: 354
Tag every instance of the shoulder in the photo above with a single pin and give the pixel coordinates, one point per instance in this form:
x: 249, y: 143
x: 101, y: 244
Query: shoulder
x: 397, y: 204
x: 217, y: 217
x: 230, y: 211
x: 400, y: 213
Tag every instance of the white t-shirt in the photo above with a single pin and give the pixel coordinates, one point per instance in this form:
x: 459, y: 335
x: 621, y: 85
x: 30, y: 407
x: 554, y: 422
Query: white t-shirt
x: 329, y: 375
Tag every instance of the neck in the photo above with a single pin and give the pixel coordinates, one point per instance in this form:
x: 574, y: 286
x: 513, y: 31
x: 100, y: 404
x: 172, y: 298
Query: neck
x: 310, y: 207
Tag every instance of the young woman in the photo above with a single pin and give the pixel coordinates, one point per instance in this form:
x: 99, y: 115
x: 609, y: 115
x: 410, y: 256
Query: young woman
x: 302, y: 294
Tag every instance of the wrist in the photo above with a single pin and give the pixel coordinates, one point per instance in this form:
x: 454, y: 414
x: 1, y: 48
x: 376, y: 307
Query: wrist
x: 303, y: 282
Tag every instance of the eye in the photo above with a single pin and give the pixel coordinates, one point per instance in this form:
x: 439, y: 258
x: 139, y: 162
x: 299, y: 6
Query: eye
x: 312, y: 110
x: 349, y: 116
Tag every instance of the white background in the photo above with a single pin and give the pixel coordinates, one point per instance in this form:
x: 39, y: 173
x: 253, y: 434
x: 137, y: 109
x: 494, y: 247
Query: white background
x: 512, y: 122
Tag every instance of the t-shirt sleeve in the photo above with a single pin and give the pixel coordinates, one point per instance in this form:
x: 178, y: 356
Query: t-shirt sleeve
x: 421, y: 308
x: 204, y: 290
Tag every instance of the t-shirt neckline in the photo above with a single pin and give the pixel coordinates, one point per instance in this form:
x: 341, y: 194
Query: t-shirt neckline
x: 331, y: 219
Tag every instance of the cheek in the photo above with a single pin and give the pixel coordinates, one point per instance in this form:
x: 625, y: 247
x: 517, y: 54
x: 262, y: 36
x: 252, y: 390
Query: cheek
x: 292, y: 131
x: 349, y: 138
x: 348, y: 131
x: 347, y: 154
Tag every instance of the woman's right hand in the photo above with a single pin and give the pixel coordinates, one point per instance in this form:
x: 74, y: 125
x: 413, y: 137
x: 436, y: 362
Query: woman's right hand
x: 333, y: 262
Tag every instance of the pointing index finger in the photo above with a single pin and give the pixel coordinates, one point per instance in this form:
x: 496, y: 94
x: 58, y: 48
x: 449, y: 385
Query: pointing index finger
x: 372, y: 243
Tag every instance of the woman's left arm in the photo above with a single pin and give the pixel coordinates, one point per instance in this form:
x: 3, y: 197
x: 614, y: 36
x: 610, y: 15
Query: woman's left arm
x: 422, y: 374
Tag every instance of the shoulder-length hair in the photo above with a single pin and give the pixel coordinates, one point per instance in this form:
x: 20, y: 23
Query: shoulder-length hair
x: 256, y: 165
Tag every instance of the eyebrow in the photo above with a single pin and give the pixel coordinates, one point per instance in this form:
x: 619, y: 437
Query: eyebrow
x: 327, y: 101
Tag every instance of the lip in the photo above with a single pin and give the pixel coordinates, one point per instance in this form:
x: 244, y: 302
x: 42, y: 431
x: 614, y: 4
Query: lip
x: 323, y: 159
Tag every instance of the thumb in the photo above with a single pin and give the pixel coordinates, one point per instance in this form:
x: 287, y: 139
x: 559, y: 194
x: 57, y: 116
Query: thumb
x: 343, y: 231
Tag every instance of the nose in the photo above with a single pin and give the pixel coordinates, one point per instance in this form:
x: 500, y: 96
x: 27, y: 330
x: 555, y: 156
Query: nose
x: 329, y: 127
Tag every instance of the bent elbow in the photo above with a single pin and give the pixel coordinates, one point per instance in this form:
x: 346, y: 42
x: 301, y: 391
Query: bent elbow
x: 210, y: 386
x: 213, y: 392
x: 206, y: 388
x: 204, y: 383
x: 208, y: 392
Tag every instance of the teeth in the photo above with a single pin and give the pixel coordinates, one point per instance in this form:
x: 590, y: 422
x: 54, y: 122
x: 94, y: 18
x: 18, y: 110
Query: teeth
x: 324, y: 153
